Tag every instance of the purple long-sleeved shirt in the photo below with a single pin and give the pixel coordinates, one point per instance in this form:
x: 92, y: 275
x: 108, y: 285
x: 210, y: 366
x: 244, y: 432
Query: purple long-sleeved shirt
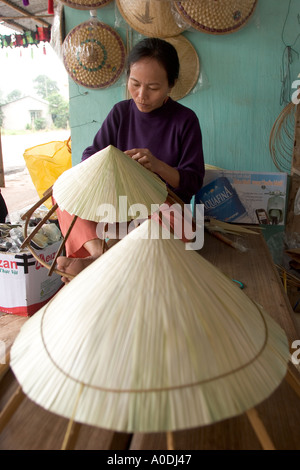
x: 172, y: 133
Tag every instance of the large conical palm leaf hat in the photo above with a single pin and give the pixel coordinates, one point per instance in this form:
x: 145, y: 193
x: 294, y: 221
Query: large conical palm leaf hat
x: 150, y: 337
x: 108, y: 185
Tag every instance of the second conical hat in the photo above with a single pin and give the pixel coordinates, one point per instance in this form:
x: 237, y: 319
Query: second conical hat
x: 107, y: 186
x: 151, y: 18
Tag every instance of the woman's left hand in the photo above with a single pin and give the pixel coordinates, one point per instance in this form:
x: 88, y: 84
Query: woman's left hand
x: 145, y: 158
x: 166, y: 172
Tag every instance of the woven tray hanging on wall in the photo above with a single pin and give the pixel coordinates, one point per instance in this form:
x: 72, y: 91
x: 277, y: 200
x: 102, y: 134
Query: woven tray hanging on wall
x: 86, y: 4
x: 189, y: 67
x: 151, y: 18
x: 216, y: 16
x: 94, y: 54
x: 108, y: 352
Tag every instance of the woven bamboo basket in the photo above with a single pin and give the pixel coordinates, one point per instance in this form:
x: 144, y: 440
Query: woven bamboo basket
x: 216, y: 16
x: 94, y: 54
x: 151, y: 18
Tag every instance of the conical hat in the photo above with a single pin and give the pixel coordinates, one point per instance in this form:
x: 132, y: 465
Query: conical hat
x: 97, y: 185
x: 94, y: 54
x: 150, y: 337
x: 151, y: 18
x: 189, y: 67
x: 216, y: 16
x: 85, y: 4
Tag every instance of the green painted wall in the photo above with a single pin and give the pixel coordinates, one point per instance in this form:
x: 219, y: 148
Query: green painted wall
x: 240, y: 99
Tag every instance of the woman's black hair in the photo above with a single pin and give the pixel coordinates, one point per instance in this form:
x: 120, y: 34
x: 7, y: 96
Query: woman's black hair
x: 160, y: 50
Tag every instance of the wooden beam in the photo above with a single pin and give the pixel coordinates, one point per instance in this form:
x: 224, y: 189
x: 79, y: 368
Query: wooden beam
x: 28, y: 17
x: 2, y: 178
x: 23, y: 12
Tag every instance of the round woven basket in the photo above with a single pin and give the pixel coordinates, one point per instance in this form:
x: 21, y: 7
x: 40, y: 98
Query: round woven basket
x: 85, y: 4
x: 216, y: 16
x: 152, y: 18
x: 94, y: 54
x: 189, y: 67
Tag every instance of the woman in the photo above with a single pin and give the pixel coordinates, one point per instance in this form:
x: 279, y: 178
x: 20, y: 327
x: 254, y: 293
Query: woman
x: 158, y: 132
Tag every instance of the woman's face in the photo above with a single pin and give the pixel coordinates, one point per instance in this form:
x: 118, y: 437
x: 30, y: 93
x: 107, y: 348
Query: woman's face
x: 148, y: 84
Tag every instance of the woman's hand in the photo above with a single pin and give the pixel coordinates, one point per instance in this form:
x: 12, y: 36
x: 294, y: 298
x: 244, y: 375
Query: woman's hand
x: 169, y: 174
x: 145, y: 158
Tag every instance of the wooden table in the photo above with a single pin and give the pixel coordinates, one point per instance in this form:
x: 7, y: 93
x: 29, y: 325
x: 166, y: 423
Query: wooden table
x: 31, y: 427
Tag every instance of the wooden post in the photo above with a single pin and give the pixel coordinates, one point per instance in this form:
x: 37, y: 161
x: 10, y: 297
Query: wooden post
x: 2, y: 180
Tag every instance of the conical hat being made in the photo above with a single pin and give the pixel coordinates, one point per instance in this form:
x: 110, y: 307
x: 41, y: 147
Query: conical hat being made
x: 94, y: 54
x: 216, y: 16
x: 85, y: 4
x: 93, y: 188
x: 150, y: 337
x: 189, y: 67
x: 151, y: 18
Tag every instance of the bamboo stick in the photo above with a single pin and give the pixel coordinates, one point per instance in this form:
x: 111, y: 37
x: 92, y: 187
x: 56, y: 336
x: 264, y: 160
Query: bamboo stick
x: 72, y: 429
x: 2, y: 177
x: 23, y: 12
x: 260, y: 430
x: 11, y: 408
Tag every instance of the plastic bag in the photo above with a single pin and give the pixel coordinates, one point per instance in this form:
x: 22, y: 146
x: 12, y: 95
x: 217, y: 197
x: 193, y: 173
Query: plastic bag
x: 46, y: 162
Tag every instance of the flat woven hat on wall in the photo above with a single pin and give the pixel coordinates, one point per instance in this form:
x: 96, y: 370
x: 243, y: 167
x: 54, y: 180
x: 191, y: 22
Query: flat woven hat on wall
x: 189, y: 67
x: 86, y: 4
x: 151, y: 18
x: 150, y: 338
x: 216, y: 16
x: 94, y: 54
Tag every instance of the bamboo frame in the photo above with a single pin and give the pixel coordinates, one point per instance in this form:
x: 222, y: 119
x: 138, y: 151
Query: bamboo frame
x: 10, y: 408
x: 28, y: 238
x: 171, y: 198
